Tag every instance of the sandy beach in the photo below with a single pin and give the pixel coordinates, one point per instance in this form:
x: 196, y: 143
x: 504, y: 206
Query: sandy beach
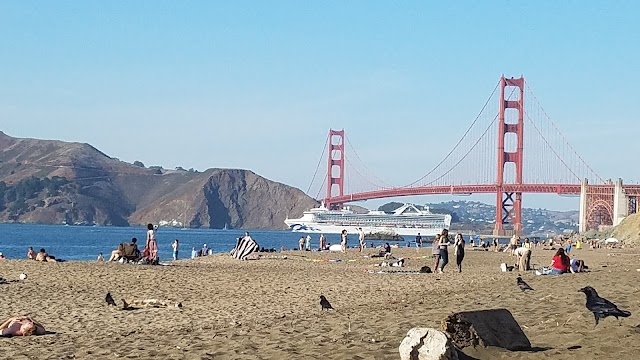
x: 269, y: 308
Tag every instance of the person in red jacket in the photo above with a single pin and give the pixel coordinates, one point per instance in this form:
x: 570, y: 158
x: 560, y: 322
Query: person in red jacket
x: 560, y: 263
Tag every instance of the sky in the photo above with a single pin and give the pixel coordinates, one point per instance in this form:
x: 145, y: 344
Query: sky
x: 258, y: 84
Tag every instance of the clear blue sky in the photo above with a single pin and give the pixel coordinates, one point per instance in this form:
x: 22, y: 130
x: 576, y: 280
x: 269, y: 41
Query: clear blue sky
x: 257, y: 84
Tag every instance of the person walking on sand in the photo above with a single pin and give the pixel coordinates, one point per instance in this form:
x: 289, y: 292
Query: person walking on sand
x: 418, y: 242
x: 459, y: 251
x: 361, y: 239
x: 444, y: 249
x: 435, y: 251
x: 343, y: 241
x: 175, y: 246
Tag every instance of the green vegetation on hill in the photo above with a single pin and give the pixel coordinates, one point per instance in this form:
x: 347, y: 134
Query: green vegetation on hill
x: 28, y: 194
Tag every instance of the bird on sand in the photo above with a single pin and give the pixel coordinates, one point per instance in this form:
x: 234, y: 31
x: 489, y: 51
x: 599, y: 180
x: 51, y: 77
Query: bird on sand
x: 325, y: 303
x: 523, y: 285
x: 109, y: 299
x: 601, y: 307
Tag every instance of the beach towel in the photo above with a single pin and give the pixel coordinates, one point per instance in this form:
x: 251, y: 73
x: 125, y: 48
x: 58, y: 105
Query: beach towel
x: 244, y: 247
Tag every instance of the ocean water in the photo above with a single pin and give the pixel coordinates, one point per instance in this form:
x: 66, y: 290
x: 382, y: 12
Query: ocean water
x: 85, y: 242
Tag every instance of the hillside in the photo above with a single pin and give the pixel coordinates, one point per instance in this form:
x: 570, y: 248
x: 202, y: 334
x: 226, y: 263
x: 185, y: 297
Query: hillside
x: 53, y: 182
x: 480, y: 217
x: 629, y: 230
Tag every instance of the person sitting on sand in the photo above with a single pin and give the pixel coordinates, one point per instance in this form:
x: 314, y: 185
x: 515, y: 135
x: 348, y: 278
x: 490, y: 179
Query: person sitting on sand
x: 2, y: 256
x: 43, y: 256
x: 577, y: 266
x: 100, y: 258
x: 21, y: 326
x: 115, y: 254
x: 31, y: 255
x: 560, y: 263
x: 120, y: 251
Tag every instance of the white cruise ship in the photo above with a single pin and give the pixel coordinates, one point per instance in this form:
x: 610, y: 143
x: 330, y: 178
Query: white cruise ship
x: 406, y: 220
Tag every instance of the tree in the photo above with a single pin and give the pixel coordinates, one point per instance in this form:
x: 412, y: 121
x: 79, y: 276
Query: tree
x: 138, y: 163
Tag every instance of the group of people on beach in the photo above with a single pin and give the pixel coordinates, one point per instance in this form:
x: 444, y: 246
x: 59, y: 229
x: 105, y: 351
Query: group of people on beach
x: 130, y: 251
x: 440, y: 250
x: 561, y: 263
x: 41, y: 255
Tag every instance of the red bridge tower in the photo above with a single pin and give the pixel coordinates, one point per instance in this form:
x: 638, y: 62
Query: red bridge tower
x: 335, y: 173
x: 509, y: 204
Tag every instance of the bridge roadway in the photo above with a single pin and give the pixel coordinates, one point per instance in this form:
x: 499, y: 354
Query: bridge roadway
x: 560, y: 189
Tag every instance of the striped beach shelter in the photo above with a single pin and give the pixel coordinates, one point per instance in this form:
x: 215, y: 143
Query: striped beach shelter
x: 245, y: 246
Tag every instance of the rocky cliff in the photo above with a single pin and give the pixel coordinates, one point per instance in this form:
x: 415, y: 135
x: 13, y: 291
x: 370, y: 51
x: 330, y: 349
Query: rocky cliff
x: 49, y: 181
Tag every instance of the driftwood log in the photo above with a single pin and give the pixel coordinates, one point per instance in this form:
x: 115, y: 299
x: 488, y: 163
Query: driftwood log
x: 495, y: 327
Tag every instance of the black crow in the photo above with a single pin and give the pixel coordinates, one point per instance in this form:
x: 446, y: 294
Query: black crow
x: 325, y: 303
x: 109, y: 299
x: 601, y: 307
x: 523, y: 285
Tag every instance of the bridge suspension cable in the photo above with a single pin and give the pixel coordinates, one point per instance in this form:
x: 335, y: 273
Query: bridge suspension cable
x: 566, y: 142
x: 324, y: 150
x: 459, y: 141
x: 381, y: 183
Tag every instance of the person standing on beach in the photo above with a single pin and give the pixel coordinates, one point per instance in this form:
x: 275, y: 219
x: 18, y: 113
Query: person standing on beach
x: 175, y: 246
x: 194, y: 253
x: 459, y: 251
x: 361, y: 239
x: 418, y: 242
x: 435, y: 251
x: 152, y: 244
x: 444, y: 249
x: 343, y: 241
x: 301, y: 243
x: 323, y: 242
x: 307, y: 245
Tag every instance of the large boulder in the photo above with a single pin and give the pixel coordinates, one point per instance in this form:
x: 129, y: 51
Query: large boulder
x: 495, y: 327
x: 427, y: 344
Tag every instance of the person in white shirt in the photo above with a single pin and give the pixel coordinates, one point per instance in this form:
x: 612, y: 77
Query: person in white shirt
x: 361, y: 238
x: 523, y: 258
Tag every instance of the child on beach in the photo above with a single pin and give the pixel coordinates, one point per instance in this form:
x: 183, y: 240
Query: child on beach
x: 175, y: 246
x: 194, y: 253
x: 100, y: 258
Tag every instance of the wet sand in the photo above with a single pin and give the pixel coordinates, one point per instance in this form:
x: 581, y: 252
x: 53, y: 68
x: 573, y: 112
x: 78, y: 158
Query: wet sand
x: 269, y: 308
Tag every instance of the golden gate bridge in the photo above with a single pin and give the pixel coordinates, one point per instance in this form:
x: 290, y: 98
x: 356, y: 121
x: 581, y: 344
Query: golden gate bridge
x: 495, y: 155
